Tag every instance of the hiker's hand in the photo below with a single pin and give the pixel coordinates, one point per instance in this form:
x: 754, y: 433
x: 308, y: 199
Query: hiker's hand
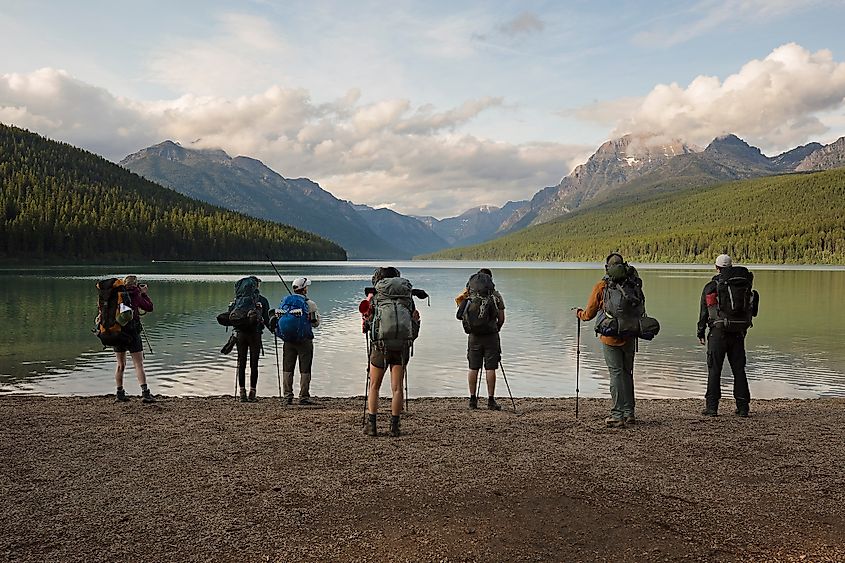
x: 701, y: 340
x: 416, y: 315
x: 143, y: 288
x: 578, y: 312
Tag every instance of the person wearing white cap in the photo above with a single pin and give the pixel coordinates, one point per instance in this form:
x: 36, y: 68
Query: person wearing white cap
x: 727, y: 306
x: 301, y: 350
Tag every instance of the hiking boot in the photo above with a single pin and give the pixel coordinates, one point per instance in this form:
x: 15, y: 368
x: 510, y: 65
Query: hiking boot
x: 370, y: 426
x: 252, y: 398
x: 611, y: 422
x: 394, y: 426
x: 741, y: 412
x: 147, y: 396
x: 630, y: 420
x: 120, y: 396
x: 288, y: 400
x: 493, y: 405
x: 243, y: 397
x: 305, y: 401
x: 710, y: 412
x: 473, y: 402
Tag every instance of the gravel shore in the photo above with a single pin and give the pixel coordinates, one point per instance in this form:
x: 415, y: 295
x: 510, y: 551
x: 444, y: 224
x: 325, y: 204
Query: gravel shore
x: 199, y: 479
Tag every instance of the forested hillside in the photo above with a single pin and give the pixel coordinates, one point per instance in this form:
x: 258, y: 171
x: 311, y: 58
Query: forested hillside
x: 795, y: 218
x: 62, y: 203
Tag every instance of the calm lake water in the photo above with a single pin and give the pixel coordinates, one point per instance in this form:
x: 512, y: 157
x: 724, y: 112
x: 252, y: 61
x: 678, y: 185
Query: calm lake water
x: 795, y: 348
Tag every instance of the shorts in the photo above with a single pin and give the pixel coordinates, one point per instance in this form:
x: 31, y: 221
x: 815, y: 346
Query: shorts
x: 484, y: 349
x: 135, y: 345
x: 291, y: 351
x: 383, y: 358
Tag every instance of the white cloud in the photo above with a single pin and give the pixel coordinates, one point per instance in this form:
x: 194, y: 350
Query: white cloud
x: 708, y: 15
x: 389, y: 152
x: 776, y: 103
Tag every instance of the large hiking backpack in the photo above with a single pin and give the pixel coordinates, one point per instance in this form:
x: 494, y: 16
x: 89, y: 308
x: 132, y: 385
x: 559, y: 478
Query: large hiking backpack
x: 393, y: 326
x: 114, y: 313
x: 244, y: 311
x: 623, y: 306
x: 294, y: 324
x: 734, y: 303
x: 480, y: 311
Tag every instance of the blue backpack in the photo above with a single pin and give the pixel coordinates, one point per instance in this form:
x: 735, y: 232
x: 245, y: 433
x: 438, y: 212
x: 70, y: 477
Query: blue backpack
x: 294, y: 321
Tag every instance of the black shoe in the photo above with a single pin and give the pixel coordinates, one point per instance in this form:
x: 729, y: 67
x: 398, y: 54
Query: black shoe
x: 370, y: 426
x: 394, y: 426
x: 147, y: 396
x: 473, y: 402
x: 288, y: 400
x: 243, y: 397
x: 305, y: 401
x: 493, y: 405
x: 742, y: 413
x: 120, y: 396
x: 252, y: 398
x: 710, y: 412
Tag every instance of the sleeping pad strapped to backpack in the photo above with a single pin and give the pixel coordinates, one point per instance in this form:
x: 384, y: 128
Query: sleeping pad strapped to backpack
x: 294, y: 324
x: 623, y: 306
x: 734, y: 303
x: 244, y: 310
x: 393, y: 326
x: 480, y: 313
x: 114, y: 313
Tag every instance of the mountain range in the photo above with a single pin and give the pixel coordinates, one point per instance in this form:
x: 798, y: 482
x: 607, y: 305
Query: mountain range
x: 632, y: 166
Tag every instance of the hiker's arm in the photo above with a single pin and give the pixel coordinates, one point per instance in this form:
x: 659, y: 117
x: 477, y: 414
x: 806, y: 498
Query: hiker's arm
x: 501, y: 319
x: 313, y: 314
x: 265, y: 311
x: 702, y: 314
x: 462, y: 297
x: 144, y: 301
x: 593, y: 305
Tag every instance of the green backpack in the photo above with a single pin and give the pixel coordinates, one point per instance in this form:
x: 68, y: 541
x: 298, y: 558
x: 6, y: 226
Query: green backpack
x: 393, y: 326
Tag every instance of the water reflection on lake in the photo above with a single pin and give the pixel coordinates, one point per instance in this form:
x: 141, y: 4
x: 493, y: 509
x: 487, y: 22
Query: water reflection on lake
x: 795, y: 348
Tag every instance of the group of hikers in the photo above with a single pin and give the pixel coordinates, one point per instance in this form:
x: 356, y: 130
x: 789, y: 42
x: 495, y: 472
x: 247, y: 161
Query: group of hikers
x: 391, y: 323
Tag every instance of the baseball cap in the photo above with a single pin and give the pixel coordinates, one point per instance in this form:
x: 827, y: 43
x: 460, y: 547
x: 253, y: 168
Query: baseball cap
x: 724, y: 261
x: 299, y: 283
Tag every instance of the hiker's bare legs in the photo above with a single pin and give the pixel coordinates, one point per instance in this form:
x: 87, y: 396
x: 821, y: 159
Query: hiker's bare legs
x: 376, y: 375
x: 397, y: 380
x: 119, y: 368
x: 138, y: 362
x: 472, y: 379
x: 491, y: 382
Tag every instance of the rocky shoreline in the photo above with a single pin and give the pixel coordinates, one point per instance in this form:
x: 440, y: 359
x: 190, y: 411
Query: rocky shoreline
x: 199, y: 479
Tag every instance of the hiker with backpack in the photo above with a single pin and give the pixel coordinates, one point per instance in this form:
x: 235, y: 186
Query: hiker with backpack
x: 295, y: 318
x: 728, y: 304
x: 481, y: 310
x: 394, y: 323
x: 248, y: 314
x: 617, y: 303
x: 119, y: 308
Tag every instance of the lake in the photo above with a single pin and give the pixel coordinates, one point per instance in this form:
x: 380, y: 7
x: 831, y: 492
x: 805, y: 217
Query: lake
x: 795, y: 348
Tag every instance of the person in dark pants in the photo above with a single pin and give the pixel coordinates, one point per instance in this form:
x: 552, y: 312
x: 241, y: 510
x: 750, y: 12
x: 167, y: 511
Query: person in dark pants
x: 248, y: 340
x: 722, y: 343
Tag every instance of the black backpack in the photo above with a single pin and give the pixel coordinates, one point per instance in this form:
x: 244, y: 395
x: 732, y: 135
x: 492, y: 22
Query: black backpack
x: 480, y: 312
x: 623, y: 306
x: 243, y: 312
x: 734, y: 303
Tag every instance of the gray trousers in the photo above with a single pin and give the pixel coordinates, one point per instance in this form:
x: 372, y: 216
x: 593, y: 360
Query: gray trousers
x: 620, y: 364
x: 304, y: 353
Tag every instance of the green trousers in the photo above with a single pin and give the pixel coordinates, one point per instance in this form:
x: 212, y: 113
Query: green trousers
x: 620, y: 364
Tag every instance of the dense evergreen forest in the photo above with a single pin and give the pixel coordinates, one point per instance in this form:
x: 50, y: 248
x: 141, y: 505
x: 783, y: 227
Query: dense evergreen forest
x: 790, y: 219
x: 63, y: 204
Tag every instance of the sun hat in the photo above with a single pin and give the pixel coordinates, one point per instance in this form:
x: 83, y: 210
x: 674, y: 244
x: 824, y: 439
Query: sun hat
x: 300, y: 283
x: 724, y: 261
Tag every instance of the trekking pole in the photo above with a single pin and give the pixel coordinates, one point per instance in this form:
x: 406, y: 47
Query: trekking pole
x: 278, y: 373
x: 147, y: 338
x: 478, y: 382
x: 278, y: 274
x: 501, y: 365
x: 577, y: 362
x: 367, y: 386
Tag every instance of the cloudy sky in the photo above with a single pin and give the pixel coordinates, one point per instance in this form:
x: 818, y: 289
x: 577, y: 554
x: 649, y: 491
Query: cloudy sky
x: 426, y: 107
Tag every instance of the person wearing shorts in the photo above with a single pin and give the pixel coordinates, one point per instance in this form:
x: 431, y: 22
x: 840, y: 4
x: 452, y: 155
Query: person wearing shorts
x: 300, y: 351
x: 484, y: 351
x: 139, y: 301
